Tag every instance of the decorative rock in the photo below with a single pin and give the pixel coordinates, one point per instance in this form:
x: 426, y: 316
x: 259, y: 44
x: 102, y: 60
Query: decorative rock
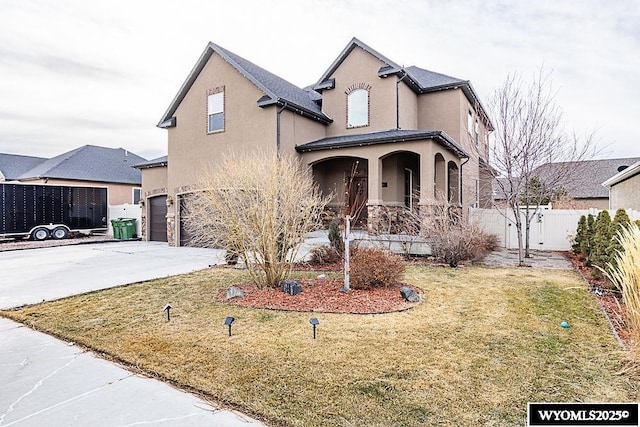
x: 291, y: 287
x: 409, y: 294
x: 321, y: 276
x: 233, y: 292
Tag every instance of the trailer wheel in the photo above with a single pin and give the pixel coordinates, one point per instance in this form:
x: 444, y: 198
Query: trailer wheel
x: 40, y: 233
x: 59, y: 233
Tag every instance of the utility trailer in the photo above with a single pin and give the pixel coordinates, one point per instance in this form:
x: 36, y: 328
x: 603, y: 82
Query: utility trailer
x: 42, y: 211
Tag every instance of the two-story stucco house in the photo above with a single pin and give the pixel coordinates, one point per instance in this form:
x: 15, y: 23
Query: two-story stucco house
x: 412, y: 131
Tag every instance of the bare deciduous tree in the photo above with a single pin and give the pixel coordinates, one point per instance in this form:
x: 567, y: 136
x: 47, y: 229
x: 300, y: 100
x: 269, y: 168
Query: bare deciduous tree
x: 258, y: 205
x: 529, y: 134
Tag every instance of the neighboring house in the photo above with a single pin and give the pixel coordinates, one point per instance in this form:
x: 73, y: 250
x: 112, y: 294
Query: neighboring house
x: 13, y: 165
x: 408, y: 128
x: 88, y: 165
x: 624, y: 188
x: 583, y: 185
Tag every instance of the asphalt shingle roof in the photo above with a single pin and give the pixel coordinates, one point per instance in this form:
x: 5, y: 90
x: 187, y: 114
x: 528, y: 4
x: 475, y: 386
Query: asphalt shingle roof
x: 13, y: 165
x: 384, y: 137
x: 160, y: 161
x: 90, y: 163
x: 586, y: 182
x: 429, y: 79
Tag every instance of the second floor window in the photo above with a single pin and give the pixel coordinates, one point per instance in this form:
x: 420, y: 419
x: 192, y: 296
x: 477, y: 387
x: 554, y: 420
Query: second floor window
x: 358, y: 108
x: 215, y: 112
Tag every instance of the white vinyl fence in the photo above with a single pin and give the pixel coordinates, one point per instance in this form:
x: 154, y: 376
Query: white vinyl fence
x: 551, y: 229
x: 126, y: 211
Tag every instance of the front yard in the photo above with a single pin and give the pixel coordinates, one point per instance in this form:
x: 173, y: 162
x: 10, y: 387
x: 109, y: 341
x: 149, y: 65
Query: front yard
x: 483, y: 343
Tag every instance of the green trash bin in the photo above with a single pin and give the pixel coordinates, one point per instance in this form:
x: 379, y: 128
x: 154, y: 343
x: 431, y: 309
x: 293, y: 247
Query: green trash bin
x: 127, y: 228
x: 117, y: 228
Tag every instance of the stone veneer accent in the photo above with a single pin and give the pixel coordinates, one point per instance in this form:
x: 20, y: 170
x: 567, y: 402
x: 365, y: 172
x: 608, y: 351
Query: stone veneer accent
x: 171, y: 229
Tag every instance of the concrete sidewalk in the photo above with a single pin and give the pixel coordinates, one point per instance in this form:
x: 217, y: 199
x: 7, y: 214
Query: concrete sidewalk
x: 44, y: 381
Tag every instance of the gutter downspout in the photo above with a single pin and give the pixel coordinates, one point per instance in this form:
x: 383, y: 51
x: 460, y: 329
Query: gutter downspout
x: 461, y: 188
x: 278, y: 127
x: 398, y: 100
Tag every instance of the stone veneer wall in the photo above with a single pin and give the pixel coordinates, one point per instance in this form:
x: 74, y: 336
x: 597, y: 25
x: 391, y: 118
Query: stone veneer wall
x: 171, y: 229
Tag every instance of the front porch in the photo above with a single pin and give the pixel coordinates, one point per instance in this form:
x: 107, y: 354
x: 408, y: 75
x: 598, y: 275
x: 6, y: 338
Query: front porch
x: 378, y: 184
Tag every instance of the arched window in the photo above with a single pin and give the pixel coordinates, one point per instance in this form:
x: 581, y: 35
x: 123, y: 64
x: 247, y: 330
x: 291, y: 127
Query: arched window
x: 358, y: 108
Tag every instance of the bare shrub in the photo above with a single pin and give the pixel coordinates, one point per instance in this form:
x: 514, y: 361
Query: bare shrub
x: 259, y: 205
x: 452, y: 239
x: 321, y: 255
x: 375, y: 268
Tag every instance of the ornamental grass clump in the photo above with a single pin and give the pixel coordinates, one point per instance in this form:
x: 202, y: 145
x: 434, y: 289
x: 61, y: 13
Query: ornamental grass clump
x: 626, y: 276
x: 375, y: 268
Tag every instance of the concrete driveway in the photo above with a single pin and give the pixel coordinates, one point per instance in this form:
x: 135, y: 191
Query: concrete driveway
x: 34, y: 275
x: 44, y: 381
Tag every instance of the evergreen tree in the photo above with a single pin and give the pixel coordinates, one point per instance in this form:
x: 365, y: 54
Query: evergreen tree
x: 620, y: 223
x: 581, y: 235
x: 601, y: 239
x: 587, y: 243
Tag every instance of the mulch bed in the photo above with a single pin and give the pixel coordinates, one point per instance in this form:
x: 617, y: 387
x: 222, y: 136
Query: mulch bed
x: 610, y: 300
x: 323, y: 295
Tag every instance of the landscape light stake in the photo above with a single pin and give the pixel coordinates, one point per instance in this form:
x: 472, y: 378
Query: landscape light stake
x: 167, y: 308
x: 315, y: 323
x: 228, y: 321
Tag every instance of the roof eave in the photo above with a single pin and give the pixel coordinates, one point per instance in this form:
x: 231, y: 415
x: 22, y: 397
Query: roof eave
x: 629, y: 172
x: 441, y: 136
x: 267, y: 101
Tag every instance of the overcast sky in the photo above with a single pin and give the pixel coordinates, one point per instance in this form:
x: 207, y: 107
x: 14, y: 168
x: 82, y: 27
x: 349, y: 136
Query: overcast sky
x: 103, y: 73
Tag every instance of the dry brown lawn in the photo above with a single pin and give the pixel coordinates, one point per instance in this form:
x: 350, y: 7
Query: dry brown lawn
x: 483, y: 343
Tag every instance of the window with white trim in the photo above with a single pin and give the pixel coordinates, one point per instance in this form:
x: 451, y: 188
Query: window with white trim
x: 136, y: 195
x: 358, y: 108
x: 215, y: 112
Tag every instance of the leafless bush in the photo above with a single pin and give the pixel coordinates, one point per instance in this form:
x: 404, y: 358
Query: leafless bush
x: 258, y: 205
x: 453, y: 239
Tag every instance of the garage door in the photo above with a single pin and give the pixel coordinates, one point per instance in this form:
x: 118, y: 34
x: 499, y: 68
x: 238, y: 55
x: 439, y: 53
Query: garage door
x: 158, y: 219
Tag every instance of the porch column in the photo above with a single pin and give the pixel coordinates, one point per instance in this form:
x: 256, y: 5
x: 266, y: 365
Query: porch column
x: 375, y: 181
x: 375, y: 193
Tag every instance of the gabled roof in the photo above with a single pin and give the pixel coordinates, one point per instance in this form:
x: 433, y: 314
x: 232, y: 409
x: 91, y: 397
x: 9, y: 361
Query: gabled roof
x: 13, y: 165
x: 623, y: 175
x: 390, y: 67
x: 384, y: 137
x: 418, y: 79
x: 155, y: 163
x: 277, y: 91
x: 585, y: 181
x: 90, y: 163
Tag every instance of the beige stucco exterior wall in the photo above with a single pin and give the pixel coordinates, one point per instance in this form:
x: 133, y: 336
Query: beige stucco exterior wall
x: 625, y: 194
x: 297, y: 130
x: 154, y: 181
x: 440, y: 111
x: 359, y: 67
x: 117, y: 194
x: 246, y: 126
